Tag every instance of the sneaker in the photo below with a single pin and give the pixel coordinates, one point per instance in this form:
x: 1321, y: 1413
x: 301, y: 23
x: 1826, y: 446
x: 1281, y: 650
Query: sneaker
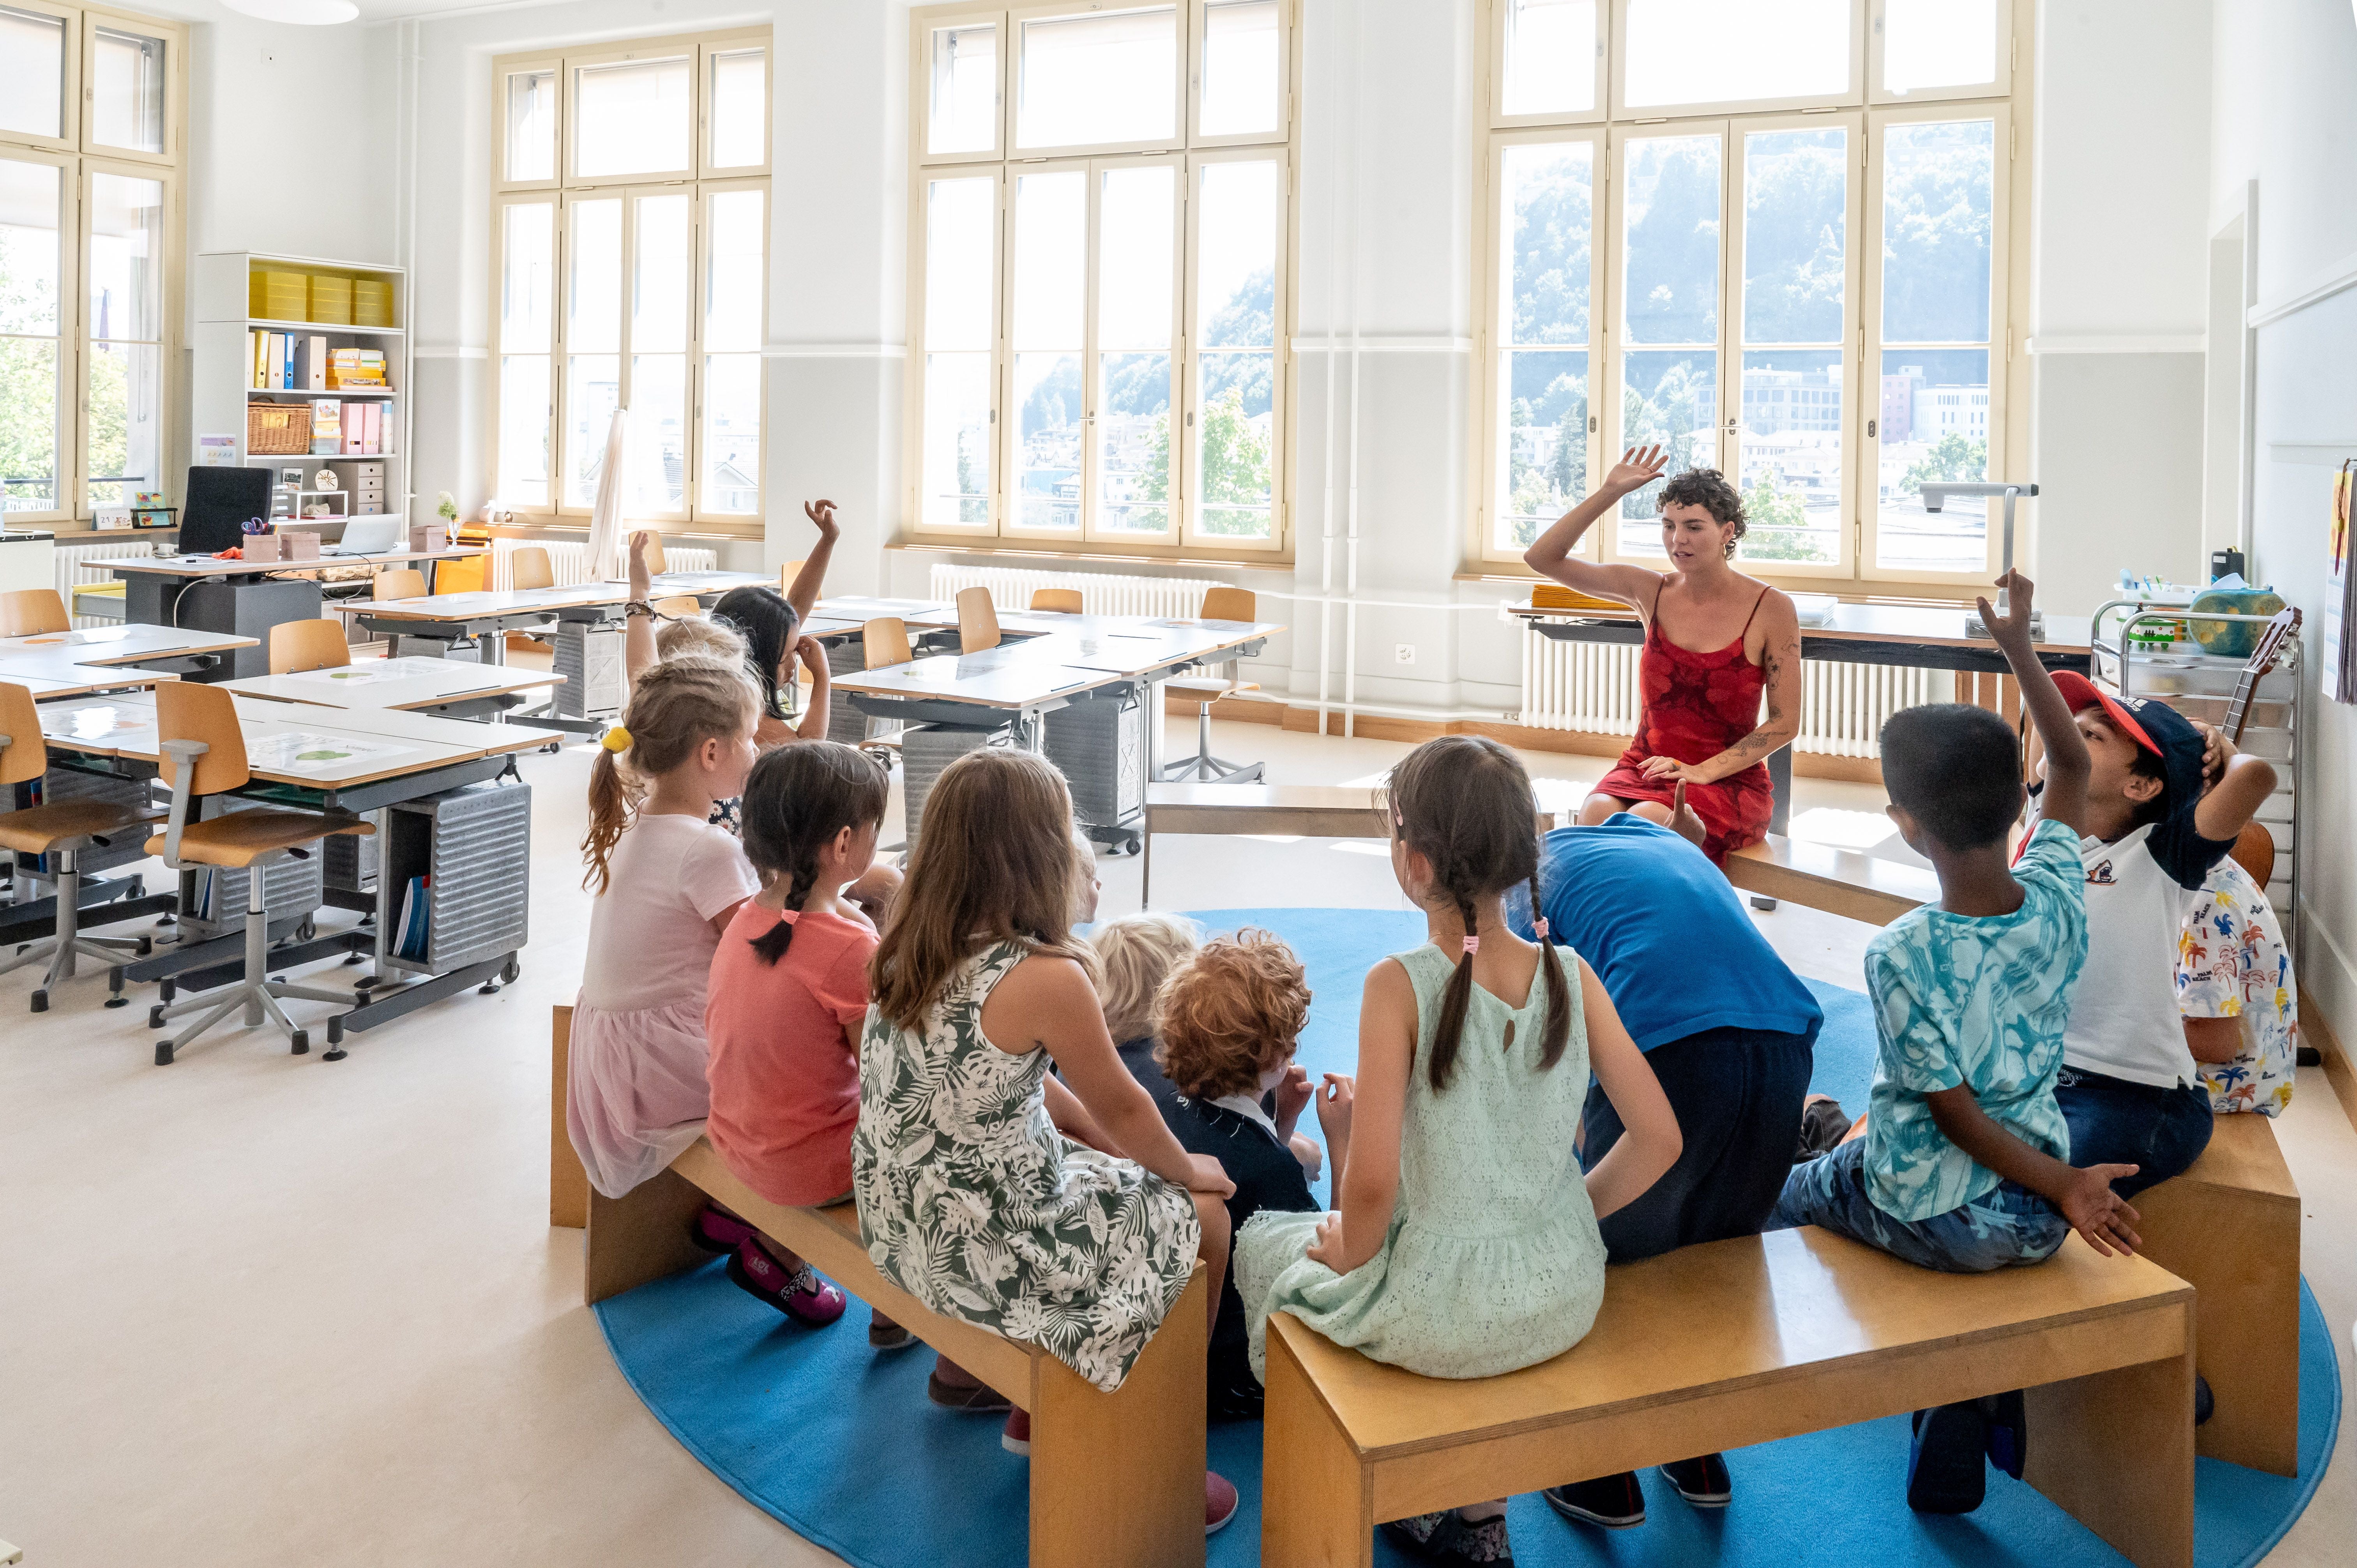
x: 2205, y: 1403
x: 1220, y: 1502
x: 976, y: 1399
x: 1609, y: 1502
x: 796, y: 1292
x: 1947, y: 1466
x: 1445, y: 1536
x: 2008, y: 1432
x: 1823, y: 1124
x: 719, y: 1233
x: 1016, y: 1435
x: 1703, y: 1482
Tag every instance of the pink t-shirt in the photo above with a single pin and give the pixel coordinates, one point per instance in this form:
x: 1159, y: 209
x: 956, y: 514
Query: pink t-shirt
x: 785, y: 1085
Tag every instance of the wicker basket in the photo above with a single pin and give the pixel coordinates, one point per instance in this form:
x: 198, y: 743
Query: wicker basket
x: 278, y: 429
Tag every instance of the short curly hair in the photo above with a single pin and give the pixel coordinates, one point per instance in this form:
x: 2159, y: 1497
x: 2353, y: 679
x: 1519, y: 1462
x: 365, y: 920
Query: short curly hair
x: 1229, y: 1014
x: 1708, y: 489
x: 1136, y: 953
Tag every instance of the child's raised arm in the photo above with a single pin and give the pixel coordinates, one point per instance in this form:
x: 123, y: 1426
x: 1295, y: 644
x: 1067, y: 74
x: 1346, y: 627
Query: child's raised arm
x: 803, y: 595
x: 813, y: 659
x: 2067, y: 764
x: 1652, y: 1142
x: 638, y: 630
x: 2084, y: 1196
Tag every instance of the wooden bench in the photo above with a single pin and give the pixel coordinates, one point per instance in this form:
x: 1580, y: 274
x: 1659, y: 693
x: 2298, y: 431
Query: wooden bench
x: 1838, y: 881
x: 1309, y: 811
x: 1115, y: 1478
x: 1737, y: 1342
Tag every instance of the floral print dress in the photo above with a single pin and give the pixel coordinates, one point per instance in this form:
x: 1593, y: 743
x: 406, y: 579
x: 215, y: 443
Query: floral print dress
x: 973, y: 1202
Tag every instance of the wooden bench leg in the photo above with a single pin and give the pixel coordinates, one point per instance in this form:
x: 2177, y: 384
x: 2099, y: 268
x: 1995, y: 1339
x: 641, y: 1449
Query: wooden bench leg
x: 641, y: 1237
x: 1119, y: 1477
x: 1317, y: 1500
x: 2115, y: 1451
x: 2240, y: 1250
x: 568, y: 1184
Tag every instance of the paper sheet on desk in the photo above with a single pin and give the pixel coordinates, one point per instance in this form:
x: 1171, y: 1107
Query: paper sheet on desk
x: 304, y: 752
x: 73, y: 638
x: 374, y: 671
x: 92, y: 721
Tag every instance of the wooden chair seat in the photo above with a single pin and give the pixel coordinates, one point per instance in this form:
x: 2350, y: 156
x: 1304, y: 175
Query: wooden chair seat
x: 38, y: 830
x: 1211, y: 686
x: 237, y: 839
x: 1732, y: 1343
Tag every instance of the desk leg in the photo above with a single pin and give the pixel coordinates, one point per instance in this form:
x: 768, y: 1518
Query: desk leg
x: 1780, y: 780
x: 493, y: 645
x: 1153, y: 733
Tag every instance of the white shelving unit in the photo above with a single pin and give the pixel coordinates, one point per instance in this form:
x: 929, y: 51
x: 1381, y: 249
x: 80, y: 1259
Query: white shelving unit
x: 223, y: 372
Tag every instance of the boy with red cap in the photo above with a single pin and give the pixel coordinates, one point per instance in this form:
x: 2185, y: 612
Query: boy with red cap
x: 2129, y: 1087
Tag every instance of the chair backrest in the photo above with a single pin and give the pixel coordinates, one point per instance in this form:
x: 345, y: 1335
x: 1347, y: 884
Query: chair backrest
x: 25, y: 758
x: 787, y: 573
x: 299, y: 645
x: 656, y: 560
x: 221, y: 500
x: 1224, y: 603
x: 885, y: 641
x: 192, y: 710
x: 678, y: 604
x: 977, y: 621
x: 400, y: 582
x: 30, y: 610
x: 1059, y: 601
x: 529, y: 568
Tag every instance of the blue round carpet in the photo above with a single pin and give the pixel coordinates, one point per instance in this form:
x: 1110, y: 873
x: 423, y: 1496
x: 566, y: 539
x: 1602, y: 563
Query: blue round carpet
x: 839, y: 1444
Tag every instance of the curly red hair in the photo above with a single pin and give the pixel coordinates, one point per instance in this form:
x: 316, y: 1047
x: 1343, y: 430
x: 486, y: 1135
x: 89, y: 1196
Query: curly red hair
x: 1230, y: 1013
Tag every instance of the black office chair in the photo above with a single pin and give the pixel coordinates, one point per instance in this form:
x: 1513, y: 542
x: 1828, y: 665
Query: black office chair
x: 220, y: 502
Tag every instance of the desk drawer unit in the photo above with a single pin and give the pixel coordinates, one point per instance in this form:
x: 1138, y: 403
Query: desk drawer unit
x: 216, y: 900
x: 1099, y: 743
x: 474, y: 845
x: 591, y: 660
x: 844, y: 723
x: 925, y: 751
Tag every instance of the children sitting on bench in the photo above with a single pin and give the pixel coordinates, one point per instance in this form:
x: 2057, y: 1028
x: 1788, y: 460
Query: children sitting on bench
x: 2234, y: 986
x: 1136, y: 953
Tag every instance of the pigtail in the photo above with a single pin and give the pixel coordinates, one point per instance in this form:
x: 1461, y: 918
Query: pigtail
x: 677, y: 705
x: 1556, y: 1034
x: 771, y: 944
x: 797, y: 800
x: 1453, y: 1003
x: 613, y: 803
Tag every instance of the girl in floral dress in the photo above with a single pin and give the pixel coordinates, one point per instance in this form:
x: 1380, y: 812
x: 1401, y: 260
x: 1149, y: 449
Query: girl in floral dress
x: 974, y: 1195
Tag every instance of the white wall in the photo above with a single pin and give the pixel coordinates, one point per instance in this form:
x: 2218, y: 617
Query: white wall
x: 2280, y: 70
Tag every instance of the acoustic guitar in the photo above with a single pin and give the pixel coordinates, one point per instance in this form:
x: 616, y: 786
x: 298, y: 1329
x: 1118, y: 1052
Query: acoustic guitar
x: 2254, y: 848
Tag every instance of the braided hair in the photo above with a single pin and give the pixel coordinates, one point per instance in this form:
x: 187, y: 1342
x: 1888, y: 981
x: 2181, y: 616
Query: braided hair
x: 797, y: 800
x: 1464, y: 804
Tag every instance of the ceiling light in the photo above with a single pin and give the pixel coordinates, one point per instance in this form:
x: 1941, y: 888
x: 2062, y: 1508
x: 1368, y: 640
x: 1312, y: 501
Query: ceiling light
x: 303, y: 13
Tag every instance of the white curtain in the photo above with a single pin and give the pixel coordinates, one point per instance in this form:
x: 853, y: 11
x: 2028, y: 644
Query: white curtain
x: 606, y: 534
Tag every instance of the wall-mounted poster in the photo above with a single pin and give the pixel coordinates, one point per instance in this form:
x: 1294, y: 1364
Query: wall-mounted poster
x: 2334, y: 677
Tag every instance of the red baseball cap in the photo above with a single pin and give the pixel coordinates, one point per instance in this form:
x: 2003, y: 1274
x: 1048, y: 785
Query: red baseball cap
x: 2082, y: 694
x: 2152, y: 725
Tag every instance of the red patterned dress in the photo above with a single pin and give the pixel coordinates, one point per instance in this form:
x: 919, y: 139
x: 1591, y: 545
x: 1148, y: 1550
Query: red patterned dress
x: 1696, y: 706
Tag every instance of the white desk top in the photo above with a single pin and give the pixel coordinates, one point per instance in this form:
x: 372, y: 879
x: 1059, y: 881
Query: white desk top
x: 1929, y: 625
x: 490, y: 603
x: 1003, y: 677
x: 213, y: 566
x: 402, y: 684
x: 124, y: 644
x: 61, y: 677
x: 314, y: 747
x: 861, y: 608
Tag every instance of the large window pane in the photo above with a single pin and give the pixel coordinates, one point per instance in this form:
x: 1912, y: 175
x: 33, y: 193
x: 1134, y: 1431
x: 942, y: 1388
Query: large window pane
x: 32, y: 72
x: 1789, y: 441
x: 657, y: 469
x: 1667, y: 398
x: 659, y: 269
x: 1136, y: 294
x: 1098, y: 78
x: 1938, y: 43
x: 1934, y: 426
x: 1936, y: 182
x: 960, y: 277
x: 732, y: 434
x: 524, y: 412
x: 1671, y: 211
x: 961, y: 281
x: 1795, y: 229
x: 633, y: 117
x: 1734, y: 51
x: 1545, y: 395
x: 1241, y: 64
x: 658, y: 303
x: 126, y: 105
x: 1550, y: 56
x: 1235, y: 264
x: 126, y: 258
x: 1789, y: 461
x: 963, y: 89
x: 957, y: 440
x: 527, y: 276
x: 122, y: 442
x: 593, y: 390
x: 1047, y: 329
x: 531, y: 125
x: 1548, y: 212
x: 31, y: 197
x: 735, y: 283
x: 593, y: 313
x: 739, y: 90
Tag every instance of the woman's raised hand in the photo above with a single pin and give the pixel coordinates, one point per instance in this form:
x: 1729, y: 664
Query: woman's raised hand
x: 1638, y: 466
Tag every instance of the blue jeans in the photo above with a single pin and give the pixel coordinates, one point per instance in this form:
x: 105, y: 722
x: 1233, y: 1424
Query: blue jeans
x: 2005, y: 1227
x: 2115, y: 1123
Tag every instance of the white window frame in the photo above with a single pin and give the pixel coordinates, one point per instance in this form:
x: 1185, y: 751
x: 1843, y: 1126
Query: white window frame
x: 1500, y: 19
x: 1623, y: 112
x: 1867, y: 112
x: 77, y: 160
x: 698, y: 181
x: 1189, y: 153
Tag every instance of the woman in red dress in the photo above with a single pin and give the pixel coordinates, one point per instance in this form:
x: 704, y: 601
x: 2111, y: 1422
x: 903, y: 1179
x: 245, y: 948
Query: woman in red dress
x: 1714, y: 640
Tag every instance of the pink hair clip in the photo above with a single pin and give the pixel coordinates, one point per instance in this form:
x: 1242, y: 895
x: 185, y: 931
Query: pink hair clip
x: 1472, y: 946
x: 788, y: 916
x: 1539, y: 929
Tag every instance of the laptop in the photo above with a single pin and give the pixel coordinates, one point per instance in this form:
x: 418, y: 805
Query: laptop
x: 367, y: 536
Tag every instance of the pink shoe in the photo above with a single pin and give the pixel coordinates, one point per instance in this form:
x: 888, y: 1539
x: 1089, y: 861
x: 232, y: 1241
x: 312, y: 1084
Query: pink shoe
x: 1016, y: 1435
x: 798, y: 1292
x: 719, y: 1233
x: 1220, y: 1502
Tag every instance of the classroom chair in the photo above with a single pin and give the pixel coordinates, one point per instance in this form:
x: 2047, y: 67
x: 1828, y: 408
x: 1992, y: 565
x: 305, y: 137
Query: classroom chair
x: 656, y: 564
x: 1056, y: 601
x: 64, y: 829
x: 203, y: 754
x: 1219, y: 604
x: 678, y: 606
x: 28, y: 612
x: 529, y: 568
x: 399, y: 582
x: 977, y: 621
x: 787, y: 573
x: 299, y: 645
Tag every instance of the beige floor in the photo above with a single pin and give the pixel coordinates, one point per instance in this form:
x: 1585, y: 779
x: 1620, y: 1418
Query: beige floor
x: 258, y: 1309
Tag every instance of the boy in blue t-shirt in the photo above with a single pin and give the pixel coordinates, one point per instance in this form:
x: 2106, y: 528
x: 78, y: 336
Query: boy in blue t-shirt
x: 1962, y: 1161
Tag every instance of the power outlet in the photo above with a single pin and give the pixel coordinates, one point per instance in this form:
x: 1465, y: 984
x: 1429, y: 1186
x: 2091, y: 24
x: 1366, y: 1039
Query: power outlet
x: 1404, y: 653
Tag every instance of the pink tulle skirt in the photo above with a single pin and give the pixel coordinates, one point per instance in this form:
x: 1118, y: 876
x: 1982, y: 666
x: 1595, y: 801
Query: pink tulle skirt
x: 635, y: 1093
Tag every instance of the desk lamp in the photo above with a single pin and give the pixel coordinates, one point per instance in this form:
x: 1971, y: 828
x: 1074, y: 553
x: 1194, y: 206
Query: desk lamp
x: 1936, y: 494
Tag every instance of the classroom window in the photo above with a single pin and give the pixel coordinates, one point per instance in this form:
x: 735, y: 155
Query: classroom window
x: 1100, y: 315
x: 90, y: 173
x: 630, y: 236
x: 1772, y: 242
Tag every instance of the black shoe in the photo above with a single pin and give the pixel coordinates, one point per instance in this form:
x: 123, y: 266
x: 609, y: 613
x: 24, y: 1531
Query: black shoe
x: 1445, y: 1537
x: 1609, y: 1502
x: 980, y: 1399
x: 2008, y: 1432
x: 1823, y: 1124
x: 2205, y: 1403
x: 1947, y: 1468
x: 1703, y: 1482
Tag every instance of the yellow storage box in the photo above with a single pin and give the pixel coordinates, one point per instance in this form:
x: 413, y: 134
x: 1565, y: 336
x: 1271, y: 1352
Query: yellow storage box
x: 372, y: 302
x: 278, y: 296
x: 332, y: 300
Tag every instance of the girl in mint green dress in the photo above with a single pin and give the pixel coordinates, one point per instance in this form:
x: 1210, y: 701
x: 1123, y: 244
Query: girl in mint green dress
x: 1466, y: 1243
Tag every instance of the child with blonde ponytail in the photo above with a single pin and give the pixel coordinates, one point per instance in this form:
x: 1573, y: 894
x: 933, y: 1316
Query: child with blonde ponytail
x: 1466, y: 1243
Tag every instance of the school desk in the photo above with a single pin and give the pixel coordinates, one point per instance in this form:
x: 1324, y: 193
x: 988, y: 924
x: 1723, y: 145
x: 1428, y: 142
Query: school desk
x: 242, y: 597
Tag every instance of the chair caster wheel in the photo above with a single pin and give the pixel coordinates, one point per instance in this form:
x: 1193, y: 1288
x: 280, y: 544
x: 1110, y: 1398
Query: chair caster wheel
x: 156, y: 1017
x: 509, y: 970
x: 335, y: 1052
x: 163, y: 1053
x: 300, y: 1043
x: 40, y: 1000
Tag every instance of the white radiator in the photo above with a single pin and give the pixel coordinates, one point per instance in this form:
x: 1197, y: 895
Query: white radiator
x: 78, y: 565
x: 1011, y: 590
x: 1592, y: 687
x: 568, y: 560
